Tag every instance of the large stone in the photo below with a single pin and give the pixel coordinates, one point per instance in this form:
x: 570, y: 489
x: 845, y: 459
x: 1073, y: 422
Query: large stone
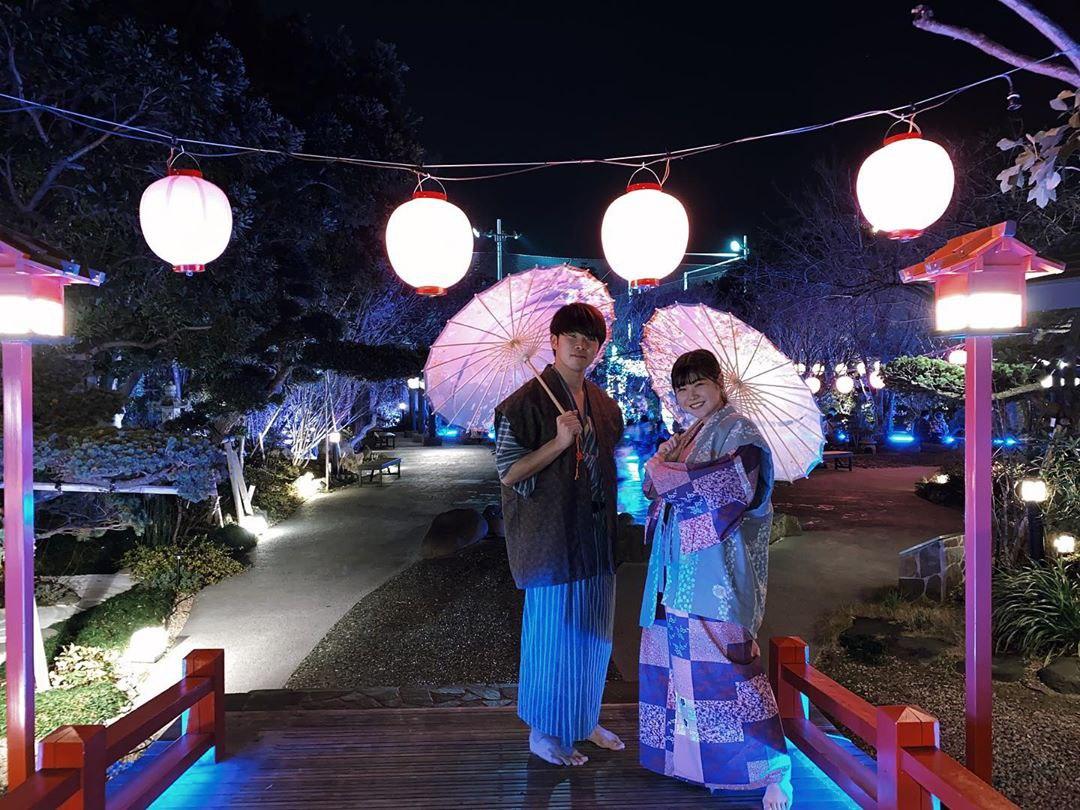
x: 909, y: 567
x: 494, y: 517
x: 867, y: 640
x: 918, y: 648
x: 1063, y: 675
x: 784, y: 526
x: 453, y: 531
x: 630, y: 543
x: 1004, y: 668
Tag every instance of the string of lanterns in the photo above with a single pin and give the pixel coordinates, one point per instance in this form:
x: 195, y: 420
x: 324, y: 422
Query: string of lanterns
x: 902, y: 188
x: 844, y: 377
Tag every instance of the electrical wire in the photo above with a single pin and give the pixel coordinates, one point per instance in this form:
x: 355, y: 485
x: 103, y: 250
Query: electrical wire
x: 510, y: 168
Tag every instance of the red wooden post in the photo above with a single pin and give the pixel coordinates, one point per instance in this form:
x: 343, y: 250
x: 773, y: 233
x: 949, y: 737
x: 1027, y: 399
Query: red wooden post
x: 19, y: 558
x: 900, y: 727
x: 978, y: 548
x: 81, y: 748
x: 787, y: 650
x: 208, y: 715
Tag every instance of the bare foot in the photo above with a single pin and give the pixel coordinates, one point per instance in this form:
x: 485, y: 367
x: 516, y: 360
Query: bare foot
x: 776, y: 798
x: 549, y: 749
x: 603, y: 738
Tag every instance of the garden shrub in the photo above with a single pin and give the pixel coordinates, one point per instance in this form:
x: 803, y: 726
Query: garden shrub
x: 83, y: 705
x: 235, y: 537
x: 78, y: 666
x: 951, y: 493
x: 185, y: 569
x: 273, y: 491
x: 111, y: 624
x: 1037, y: 608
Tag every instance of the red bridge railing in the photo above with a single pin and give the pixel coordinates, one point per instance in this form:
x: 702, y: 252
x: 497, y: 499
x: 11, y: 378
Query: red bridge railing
x: 74, y: 758
x: 911, y: 767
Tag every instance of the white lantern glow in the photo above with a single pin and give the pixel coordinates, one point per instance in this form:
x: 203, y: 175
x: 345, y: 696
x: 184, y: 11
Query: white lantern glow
x: 31, y: 306
x: 844, y: 384
x: 1033, y: 490
x: 841, y: 368
x: 876, y: 380
x: 1065, y: 544
x: 185, y: 220
x: 334, y: 437
x: 429, y: 242
x: 415, y: 383
x: 1047, y: 381
x: 814, y: 384
x: 644, y: 234
x: 147, y: 645
x: 860, y: 368
x: 800, y: 368
x: 905, y: 186
x: 958, y: 357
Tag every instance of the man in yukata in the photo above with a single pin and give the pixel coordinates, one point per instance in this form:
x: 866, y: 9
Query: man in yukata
x: 557, y: 468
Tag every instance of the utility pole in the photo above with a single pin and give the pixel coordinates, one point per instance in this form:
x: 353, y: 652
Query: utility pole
x: 500, y: 238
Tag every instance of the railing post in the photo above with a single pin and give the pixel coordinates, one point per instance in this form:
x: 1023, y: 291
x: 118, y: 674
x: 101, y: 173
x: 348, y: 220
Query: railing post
x: 81, y: 748
x: 900, y: 727
x: 208, y: 715
x: 787, y: 650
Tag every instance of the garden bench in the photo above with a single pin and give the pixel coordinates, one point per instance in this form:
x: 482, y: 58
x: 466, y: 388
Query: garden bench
x: 381, y: 466
x: 383, y: 441
x: 841, y: 459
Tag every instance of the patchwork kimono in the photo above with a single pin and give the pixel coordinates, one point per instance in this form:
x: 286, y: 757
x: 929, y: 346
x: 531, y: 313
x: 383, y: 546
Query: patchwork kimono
x: 707, y: 711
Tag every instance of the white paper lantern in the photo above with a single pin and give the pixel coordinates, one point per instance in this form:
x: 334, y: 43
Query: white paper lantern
x: 644, y: 234
x: 814, y: 384
x: 905, y: 186
x: 844, y: 384
x: 185, y: 220
x: 876, y: 380
x: 429, y: 242
x: 958, y: 357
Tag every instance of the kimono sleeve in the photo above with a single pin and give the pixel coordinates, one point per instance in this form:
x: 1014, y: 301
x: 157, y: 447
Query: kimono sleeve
x: 507, y: 452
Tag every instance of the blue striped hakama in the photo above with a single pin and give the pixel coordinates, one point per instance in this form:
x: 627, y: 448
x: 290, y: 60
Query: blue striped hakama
x: 566, y: 629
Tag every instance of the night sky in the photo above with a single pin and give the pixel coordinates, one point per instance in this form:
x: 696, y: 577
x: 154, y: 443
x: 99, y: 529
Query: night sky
x: 505, y: 81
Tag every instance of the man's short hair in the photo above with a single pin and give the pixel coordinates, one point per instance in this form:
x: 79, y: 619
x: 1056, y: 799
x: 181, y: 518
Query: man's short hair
x: 584, y: 319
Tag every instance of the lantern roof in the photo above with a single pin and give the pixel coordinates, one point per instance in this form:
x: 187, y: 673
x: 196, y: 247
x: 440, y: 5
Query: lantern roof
x: 990, y: 247
x: 27, y: 256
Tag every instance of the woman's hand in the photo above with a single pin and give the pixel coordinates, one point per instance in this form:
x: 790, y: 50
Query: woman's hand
x: 667, y: 448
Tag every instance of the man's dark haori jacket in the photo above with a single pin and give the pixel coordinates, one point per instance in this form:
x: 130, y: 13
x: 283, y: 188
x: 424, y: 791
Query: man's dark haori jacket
x: 550, y: 535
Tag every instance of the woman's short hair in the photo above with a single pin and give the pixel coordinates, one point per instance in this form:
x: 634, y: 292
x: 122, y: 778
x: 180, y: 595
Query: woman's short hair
x: 700, y: 364
x: 585, y: 319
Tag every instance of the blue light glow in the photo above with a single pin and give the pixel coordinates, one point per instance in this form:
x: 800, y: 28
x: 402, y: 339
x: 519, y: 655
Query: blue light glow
x: 841, y: 436
x: 948, y: 440
x: 735, y: 246
x: 901, y: 438
x: 1008, y: 441
x: 448, y: 432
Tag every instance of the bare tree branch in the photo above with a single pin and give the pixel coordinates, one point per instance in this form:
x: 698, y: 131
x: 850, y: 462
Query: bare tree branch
x: 1048, y: 28
x: 17, y: 81
x: 924, y: 19
x: 135, y: 344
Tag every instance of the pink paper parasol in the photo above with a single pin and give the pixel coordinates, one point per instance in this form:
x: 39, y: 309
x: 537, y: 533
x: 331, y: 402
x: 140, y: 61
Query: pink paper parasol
x: 759, y: 380
x: 501, y: 338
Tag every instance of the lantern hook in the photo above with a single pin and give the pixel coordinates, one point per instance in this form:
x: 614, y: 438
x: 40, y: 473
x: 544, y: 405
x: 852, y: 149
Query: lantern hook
x: 646, y: 168
x: 176, y: 152
x: 422, y: 176
x: 910, y: 120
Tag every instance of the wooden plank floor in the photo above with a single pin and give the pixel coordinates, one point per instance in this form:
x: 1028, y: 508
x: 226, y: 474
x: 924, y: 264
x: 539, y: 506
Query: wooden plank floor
x: 437, y: 758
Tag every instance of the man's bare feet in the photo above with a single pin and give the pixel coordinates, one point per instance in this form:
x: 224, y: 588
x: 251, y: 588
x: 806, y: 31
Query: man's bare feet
x: 776, y: 798
x: 549, y: 749
x: 603, y: 738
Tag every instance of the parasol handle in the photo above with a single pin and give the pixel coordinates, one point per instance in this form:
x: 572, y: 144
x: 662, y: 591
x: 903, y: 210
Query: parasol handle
x: 540, y: 380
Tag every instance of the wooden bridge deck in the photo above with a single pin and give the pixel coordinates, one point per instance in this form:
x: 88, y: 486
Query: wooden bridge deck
x: 437, y: 758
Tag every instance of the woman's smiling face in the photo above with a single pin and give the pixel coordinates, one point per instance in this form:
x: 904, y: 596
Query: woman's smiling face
x: 700, y: 397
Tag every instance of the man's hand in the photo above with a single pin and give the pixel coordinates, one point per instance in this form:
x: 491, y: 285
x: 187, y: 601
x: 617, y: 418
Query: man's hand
x: 568, y: 428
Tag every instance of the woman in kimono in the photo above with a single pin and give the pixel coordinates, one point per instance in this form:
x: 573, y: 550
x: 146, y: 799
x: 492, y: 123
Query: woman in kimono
x: 707, y: 711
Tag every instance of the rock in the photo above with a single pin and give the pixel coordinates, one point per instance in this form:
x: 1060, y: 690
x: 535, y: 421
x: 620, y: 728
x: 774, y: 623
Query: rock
x: 867, y: 640
x: 1063, y: 675
x: 630, y: 544
x: 1004, y: 668
x: 453, y: 531
x: 494, y: 517
x: 235, y: 537
x: 784, y: 526
x: 917, y: 648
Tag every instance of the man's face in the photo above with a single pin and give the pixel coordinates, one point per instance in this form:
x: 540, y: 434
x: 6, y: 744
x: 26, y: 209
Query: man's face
x: 574, y: 350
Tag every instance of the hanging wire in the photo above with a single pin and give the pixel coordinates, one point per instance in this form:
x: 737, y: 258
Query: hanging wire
x: 511, y: 168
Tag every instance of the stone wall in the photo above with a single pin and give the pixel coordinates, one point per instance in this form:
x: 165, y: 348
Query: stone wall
x: 932, y: 569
